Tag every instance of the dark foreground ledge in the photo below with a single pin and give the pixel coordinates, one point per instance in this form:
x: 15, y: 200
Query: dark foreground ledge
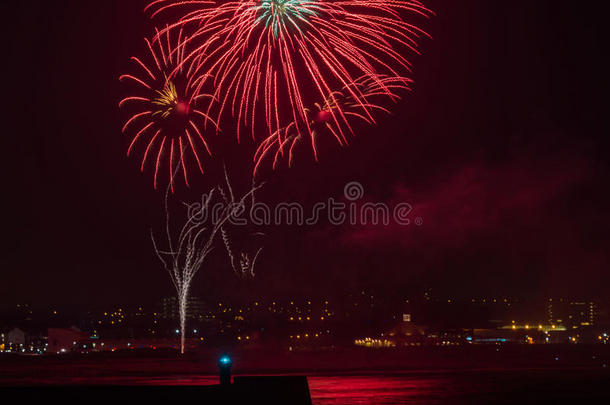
x: 245, y: 390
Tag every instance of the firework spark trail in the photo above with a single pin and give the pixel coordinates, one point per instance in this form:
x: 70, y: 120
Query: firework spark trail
x: 320, y: 117
x: 270, y: 56
x: 243, y: 265
x: 166, y: 113
x: 184, y: 254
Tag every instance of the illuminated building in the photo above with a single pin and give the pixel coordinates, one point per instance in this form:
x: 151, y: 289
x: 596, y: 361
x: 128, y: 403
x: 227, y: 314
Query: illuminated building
x: 571, y: 313
x: 374, y: 343
x: 534, y: 327
x: 406, y: 333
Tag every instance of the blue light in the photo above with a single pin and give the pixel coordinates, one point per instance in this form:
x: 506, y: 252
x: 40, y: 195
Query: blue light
x: 225, y: 360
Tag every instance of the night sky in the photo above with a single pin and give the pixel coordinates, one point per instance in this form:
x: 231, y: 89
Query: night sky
x: 501, y: 148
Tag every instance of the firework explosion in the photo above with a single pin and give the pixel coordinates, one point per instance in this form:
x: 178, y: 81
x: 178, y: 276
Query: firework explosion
x: 266, y: 62
x: 272, y: 58
x: 320, y: 117
x: 165, y: 117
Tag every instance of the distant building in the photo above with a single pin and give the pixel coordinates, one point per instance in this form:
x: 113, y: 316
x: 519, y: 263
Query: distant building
x: 571, y: 313
x: 15, y: 337
x: 495, y: 336
x: 66, y: 340
x: 406, y: 333
x: 170, y: 308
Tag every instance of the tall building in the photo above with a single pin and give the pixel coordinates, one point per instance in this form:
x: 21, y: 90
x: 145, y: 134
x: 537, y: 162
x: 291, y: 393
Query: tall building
x: 571, y: 313
x: 169, y: 308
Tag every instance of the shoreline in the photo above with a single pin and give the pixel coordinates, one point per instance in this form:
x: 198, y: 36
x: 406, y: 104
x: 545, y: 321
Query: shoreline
x: 340, y: 362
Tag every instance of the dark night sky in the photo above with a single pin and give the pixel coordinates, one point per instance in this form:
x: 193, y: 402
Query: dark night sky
x: 501, y: 148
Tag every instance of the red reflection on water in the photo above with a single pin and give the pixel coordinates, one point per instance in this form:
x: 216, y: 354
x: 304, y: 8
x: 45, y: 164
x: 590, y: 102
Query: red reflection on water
x: 325, y: 390
x: 340, y: 390
x: 370, y: 390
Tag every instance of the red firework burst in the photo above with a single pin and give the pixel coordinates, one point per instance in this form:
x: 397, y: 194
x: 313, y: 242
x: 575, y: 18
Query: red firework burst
x: 270, y: 57
x: 165, y: 112
x: 320, y: 118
